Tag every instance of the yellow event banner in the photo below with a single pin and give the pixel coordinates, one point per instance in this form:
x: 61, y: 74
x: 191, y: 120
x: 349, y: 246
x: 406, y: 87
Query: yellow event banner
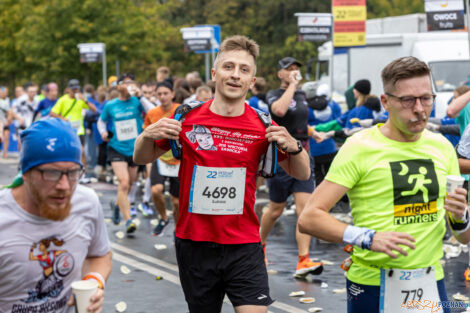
x: 349, y: 39
x: 349, y: 18
x: 349, y: 13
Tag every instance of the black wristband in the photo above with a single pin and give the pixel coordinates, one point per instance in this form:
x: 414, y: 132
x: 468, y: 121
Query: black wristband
x: 300, y: 148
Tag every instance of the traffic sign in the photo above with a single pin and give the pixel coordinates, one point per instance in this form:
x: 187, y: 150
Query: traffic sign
x: 94, y: 52
x: 91, y: 52
x: 201, y: 38
x: 314, y: 26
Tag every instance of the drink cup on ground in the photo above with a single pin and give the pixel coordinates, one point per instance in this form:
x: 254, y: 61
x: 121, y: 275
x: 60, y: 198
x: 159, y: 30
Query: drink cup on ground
x: 82, y: 291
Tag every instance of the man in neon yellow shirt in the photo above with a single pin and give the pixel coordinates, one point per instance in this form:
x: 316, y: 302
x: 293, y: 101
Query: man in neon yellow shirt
x: 69, y: 107
x: 395, y: 177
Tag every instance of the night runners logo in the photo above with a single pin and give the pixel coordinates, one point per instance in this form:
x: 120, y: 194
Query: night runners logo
x: 415, y: 191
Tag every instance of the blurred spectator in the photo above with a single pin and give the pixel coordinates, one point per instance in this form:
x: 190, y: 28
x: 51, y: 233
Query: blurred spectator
x: 43, y: 93
x: 180, y: 95
x: 19, y: 92
x: 321, y: 109
x: 211, y: 85
x: 69, y: 107
x: 148, y: 91
x: 46, y: 104
x: 4, y: 111
x: 24, y: 109
x: 112, y: 81
x: 258, y: 98
x: 91, y: 147
x: 203, y: 93
x: 194, y: 84
x: 192, y: 75
x: 163, y: 73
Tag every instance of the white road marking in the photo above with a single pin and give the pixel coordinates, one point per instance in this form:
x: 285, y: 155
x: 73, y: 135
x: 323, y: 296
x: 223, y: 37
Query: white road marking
x: 171, y: 277
x: 144, y: 257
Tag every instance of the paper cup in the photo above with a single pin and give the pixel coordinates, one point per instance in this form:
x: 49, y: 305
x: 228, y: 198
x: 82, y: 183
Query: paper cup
x: 454, y: 182
x: 82, y: 291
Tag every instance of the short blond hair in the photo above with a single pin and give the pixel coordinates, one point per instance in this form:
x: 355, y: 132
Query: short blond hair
x: 238, y: 43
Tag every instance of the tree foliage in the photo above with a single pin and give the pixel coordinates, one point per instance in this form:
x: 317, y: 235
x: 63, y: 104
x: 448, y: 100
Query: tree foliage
x: 39, y: 38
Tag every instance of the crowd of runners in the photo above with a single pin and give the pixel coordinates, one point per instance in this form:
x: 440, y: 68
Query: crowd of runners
x: 207, y: 148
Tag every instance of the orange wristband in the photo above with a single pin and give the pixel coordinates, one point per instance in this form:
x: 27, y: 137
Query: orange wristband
x: 96, y: 276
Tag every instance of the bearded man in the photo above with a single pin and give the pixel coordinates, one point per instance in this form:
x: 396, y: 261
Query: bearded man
x: 52, y: 230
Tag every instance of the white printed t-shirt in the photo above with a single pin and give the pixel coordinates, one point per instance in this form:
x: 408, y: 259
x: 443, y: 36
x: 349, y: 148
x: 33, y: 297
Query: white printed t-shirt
x: 40, y: 281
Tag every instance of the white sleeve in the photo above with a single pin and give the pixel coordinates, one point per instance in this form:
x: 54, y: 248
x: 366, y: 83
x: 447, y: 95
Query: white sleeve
x: 101, y: 126
x: 100, y: 242
x: 147, y: 104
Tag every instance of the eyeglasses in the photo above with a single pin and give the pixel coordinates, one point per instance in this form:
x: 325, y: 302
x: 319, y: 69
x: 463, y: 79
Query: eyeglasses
x: 408, y: 102
x: 56, y: 175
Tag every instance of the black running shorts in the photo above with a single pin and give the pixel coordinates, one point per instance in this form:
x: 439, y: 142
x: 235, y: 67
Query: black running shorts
x: 115, y: 156
x: 209, y: 270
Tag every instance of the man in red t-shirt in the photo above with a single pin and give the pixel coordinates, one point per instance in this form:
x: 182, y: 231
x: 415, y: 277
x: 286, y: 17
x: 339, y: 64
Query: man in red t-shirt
x: 217, y: 235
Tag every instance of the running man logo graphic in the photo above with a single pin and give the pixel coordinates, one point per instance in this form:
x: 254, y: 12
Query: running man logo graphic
x: 416, y: 190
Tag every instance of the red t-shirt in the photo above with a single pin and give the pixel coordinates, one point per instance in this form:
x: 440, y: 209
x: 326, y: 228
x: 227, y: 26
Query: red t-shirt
x: 237, y: 144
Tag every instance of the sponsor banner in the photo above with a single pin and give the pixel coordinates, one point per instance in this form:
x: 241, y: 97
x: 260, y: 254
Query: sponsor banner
x: 349, y: 22
x: 348, y: 2
x: 321, y: 19
x: 443, y: 5
x: 445, y: 20
x: 349, y: 39
x: 350, y: 27
x: 349, y: 13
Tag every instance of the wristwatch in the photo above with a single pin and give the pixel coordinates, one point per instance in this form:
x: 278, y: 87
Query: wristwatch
x: 299, y: 148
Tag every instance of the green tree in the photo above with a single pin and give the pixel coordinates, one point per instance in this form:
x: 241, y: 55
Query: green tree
x: 39, y: 37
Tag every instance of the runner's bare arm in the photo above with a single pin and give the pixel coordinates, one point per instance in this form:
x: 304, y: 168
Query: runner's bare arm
x: 297, y: 166
x: 281, y: 105
x: 316, y: 221
x: 14, y: 116
x: 102, y: 265
x: 457, y: 104
x: 52, y: 114
x: 147, y: 104
x: 145, y: 149
x: 456, y: 204
x: 464, y: 166
x: 91, y: 106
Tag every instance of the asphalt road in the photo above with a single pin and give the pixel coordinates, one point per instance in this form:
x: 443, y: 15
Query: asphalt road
x: 142, y: 292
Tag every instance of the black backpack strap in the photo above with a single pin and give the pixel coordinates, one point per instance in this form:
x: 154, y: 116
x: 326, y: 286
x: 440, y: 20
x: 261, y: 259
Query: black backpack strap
x: 180, y: 113
x: 268, y: 162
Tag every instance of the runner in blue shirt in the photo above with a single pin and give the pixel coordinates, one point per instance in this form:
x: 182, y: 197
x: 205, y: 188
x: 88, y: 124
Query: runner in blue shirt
x: 125, y: 116
x: 46, y: 104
